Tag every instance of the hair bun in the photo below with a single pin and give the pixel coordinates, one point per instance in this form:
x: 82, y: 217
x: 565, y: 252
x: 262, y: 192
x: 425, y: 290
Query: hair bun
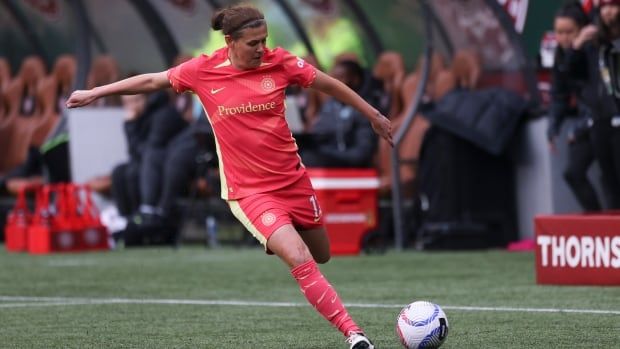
x: 217, y: 21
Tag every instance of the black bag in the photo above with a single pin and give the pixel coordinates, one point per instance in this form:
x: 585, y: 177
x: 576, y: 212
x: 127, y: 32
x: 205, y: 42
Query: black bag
x: 487, y: 118
x: 466, y: 195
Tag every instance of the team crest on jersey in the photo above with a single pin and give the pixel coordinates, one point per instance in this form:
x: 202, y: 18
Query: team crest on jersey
x: 268, y: 219
x: 268, y: 84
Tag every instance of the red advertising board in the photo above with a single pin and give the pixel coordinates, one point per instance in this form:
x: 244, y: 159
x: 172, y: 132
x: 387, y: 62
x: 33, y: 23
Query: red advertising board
x: 578, y: 249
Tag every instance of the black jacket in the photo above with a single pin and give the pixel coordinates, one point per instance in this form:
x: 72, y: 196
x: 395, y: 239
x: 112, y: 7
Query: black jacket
x: 486, y: 118
x: 341, y: 137
x: 564, y: 85
x: 583, y: 65
x: 137, y: 131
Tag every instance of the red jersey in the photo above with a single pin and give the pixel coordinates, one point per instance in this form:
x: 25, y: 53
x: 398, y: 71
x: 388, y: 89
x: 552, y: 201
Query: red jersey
x: 256, y: 150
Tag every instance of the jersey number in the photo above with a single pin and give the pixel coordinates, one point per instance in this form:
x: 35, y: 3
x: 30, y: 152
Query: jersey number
x: 315, y: 206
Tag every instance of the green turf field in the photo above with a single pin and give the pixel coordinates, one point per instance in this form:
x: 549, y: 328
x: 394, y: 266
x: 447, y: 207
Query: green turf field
x: 164, y: 298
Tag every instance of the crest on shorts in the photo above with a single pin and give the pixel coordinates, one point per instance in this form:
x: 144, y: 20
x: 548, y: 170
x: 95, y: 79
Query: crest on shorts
x: 268, y: 219
x: 268, y: 84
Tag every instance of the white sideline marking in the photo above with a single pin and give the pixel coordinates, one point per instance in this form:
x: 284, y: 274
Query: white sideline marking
x: 70, y: 263
x: 62, y: 301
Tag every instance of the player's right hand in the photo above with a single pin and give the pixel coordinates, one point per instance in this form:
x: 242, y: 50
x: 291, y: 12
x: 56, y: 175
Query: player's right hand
x: 383, y: 127
x: 81, y: 98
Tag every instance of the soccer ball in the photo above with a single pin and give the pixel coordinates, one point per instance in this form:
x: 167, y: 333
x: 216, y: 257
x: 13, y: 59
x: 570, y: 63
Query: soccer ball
x: 422, y: 325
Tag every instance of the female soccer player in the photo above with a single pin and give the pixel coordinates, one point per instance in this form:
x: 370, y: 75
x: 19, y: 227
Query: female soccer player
x: 241, y: 86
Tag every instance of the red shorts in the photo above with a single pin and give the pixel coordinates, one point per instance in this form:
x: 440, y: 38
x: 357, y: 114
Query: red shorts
x: 262, y: 214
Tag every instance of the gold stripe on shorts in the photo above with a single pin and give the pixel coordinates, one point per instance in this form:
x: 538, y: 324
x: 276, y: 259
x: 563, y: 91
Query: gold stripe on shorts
x: 238, y: 212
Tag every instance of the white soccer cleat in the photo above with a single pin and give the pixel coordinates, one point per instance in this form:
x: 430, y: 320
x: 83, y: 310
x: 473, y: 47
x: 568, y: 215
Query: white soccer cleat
x: 359, y: 341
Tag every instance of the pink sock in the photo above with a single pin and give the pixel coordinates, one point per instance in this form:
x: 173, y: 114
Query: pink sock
x: 323, y: 297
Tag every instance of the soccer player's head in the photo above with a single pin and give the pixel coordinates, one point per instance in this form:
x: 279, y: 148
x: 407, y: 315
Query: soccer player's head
x: 245, y: 31
x: 568, y: 21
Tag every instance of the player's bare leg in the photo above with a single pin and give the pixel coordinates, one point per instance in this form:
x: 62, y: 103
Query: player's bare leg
x: 287, y: 244
x: 318, y: 243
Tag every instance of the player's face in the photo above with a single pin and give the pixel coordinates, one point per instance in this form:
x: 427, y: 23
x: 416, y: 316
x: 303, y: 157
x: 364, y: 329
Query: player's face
x: 247, y: 51
x: 566, y: 30
x: 610, y: 15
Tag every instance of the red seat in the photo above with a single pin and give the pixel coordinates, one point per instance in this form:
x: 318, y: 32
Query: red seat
x: 5, y: 73
x: 410, y: 146
x: 5, y: 78
x: 390, y: 69
x: 440, y: 82
x: 467, y: 68
x: 444, y: 83
x: 437, y: 65
x: 104, y: 70
x: 18, y: 125
x: 51, y: 93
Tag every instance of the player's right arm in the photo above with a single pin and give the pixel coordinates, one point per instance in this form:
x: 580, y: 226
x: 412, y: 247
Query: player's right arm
x: 143, y: 83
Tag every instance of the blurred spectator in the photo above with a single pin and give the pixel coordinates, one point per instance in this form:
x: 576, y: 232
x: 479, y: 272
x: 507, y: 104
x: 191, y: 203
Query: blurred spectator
x: 588, y: 65
x: 139, y: 110
x: 609, y: 42
x: 168, y: 163
x: 104, y: 70
x: 341, y: 136
x: 569, y: 20
x: 168, y: 124
x: 163, y: 151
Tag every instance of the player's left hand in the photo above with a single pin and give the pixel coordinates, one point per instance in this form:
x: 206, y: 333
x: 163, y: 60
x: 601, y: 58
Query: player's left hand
x: 383, y: 127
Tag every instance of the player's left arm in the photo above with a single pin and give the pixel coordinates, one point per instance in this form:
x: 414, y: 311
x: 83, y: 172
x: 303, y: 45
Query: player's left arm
x: 343, y: 93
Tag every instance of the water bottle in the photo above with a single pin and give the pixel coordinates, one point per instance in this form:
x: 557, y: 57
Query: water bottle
x: 211, y: 225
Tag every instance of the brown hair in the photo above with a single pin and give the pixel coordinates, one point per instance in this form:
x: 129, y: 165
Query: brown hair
x: 606, y: 33
x: 234, y: 19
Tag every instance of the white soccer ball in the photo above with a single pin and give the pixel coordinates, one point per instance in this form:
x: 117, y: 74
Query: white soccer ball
x: 422, y: 325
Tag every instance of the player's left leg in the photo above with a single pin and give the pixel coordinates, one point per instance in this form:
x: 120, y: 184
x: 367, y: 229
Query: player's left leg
x: 287, y: 244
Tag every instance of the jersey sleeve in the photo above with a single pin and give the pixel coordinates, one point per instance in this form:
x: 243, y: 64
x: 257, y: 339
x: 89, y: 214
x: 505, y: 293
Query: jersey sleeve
x: 298, y: 71
x: 182, y: 76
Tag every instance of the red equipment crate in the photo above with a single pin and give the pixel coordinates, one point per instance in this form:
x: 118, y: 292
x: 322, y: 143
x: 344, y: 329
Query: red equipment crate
x: 17, y: 224
x: 578, y: 249
x: 348, y: 201
x: 74, y: 226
